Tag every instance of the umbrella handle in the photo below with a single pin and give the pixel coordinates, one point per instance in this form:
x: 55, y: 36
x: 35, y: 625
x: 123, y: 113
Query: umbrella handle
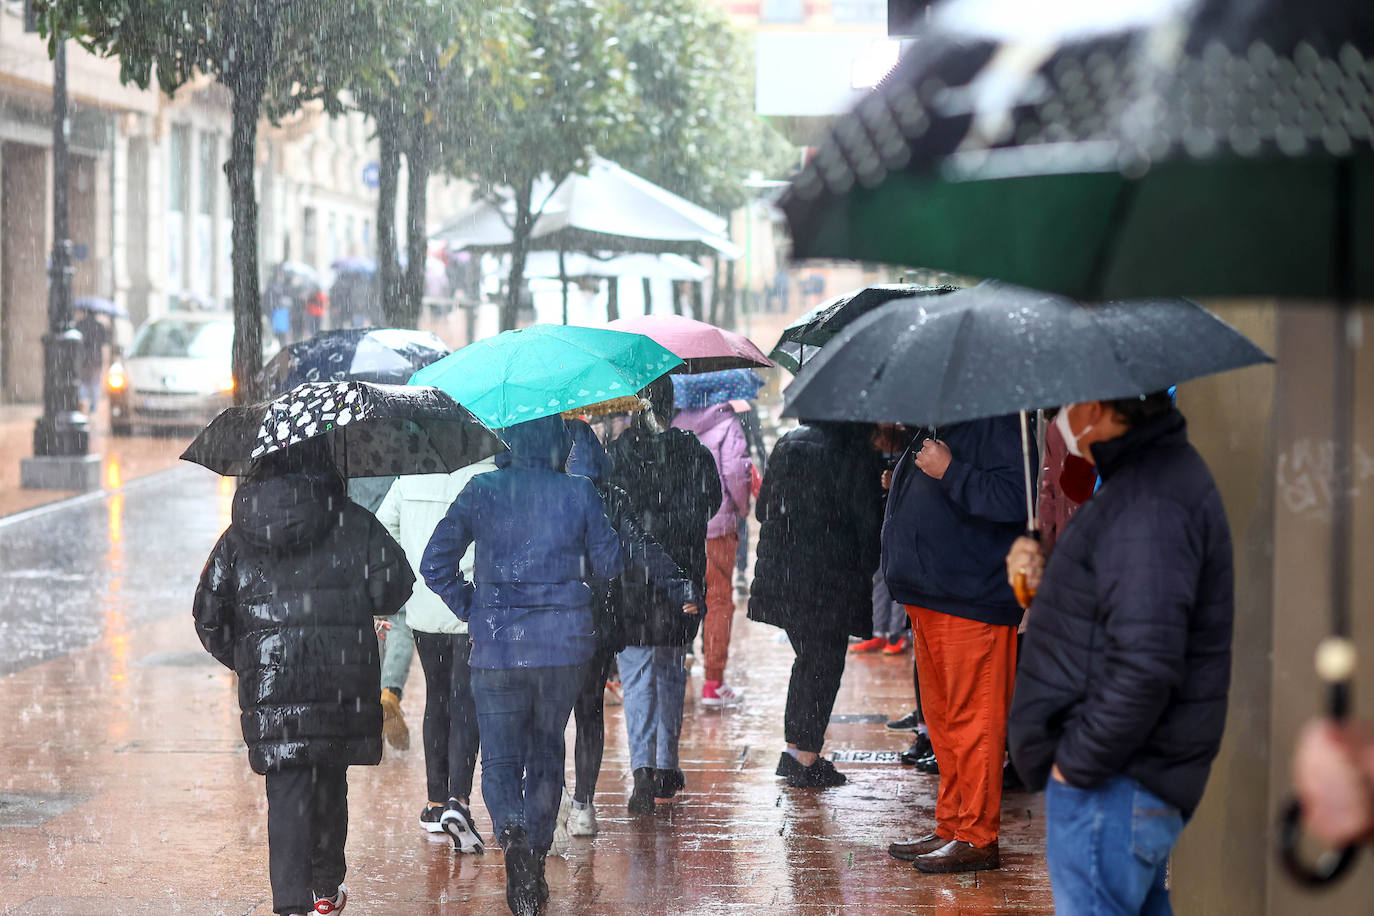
x: 1329, y: 867
x: 1024, y: 593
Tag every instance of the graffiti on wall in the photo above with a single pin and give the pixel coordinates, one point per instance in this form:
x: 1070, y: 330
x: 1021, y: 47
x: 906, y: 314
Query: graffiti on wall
x: 1307, y: 475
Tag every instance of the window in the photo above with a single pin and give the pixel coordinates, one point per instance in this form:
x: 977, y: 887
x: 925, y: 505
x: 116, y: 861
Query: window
x: 178, y: 167
x: 783, y: 10
x: 867, y: 11
x: 209, y: 172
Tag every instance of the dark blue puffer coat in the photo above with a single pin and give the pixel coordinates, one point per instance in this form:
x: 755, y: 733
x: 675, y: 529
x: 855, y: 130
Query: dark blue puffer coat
x: 540, y: 536
x: 1127, y: 658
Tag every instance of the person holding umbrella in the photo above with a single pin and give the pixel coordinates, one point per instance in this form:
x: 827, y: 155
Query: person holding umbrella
x: 1122, y: 692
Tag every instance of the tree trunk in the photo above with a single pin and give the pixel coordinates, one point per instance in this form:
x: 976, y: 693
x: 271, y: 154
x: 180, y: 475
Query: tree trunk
x: 417, y: 236
x: 715, y: 291
x: 648, y: 296
x: 728, y: 312
x: 519, y: 249
x: 563, y: 279
x: 612, y: 298
x: 676, y: 287
x: 247, y: 347
x: 388, y: 177
x: 696, y: 300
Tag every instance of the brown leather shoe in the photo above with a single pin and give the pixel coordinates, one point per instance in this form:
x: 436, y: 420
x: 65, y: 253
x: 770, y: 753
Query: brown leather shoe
x: 908, y: 850
x: 956, y: 857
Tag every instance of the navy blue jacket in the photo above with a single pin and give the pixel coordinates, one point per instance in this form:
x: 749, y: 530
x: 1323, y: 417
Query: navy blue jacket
x: 945, y: 541
x: 1127, y: 658
x: 540, y: 536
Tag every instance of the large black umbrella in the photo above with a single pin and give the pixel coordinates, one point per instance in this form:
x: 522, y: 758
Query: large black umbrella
x: 802, y: 339
x: 388, y: 356
x: 372, y: 430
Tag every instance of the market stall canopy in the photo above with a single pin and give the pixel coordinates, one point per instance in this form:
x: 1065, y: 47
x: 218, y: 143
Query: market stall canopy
x: 650, y: 266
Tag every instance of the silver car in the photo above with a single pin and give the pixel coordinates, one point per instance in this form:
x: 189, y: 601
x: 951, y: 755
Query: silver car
x: 177, y: 372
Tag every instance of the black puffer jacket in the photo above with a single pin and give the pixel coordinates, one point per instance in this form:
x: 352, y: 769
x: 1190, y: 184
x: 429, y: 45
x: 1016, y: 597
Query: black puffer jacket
x: 673, y: 489
x: 287, y: 600
x: 821, y: 515
x: 1127, y: 658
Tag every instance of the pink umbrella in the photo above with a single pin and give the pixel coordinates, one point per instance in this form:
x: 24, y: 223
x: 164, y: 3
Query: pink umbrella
x: 703, y: 347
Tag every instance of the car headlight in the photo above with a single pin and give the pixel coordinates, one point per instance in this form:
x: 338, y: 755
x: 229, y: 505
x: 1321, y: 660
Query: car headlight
x: 115, y: 380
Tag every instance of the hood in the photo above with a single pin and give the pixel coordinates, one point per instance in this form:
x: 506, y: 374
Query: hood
x: 703, y: 419
x: 536, y: 444
x: 589, y: 458
x: 285, y: 514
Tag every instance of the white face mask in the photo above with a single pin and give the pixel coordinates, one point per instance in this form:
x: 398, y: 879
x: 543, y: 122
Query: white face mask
x: 1061, y: 421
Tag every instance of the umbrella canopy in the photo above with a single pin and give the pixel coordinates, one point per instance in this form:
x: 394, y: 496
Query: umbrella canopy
x: 576, y: 264
x: 1205, y: 147
x: 704, y: 347
x: 372, y: 430
x: 354, y: 265
x: 707, y: 388
x: 607, y: 209
x: 802, y: 339
x: 546, y: 369
x: 996, y: 349
x: 384, y: 355
x: 99, y: 306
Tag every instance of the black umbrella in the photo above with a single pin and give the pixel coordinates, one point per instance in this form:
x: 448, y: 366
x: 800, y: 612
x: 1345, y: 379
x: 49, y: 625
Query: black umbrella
x: 372, y: 430
x: 802, y: 339
x: 388, y: 356
x: 100, y: 306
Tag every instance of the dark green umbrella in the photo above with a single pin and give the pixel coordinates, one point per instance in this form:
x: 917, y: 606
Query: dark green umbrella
x: 802, y: 339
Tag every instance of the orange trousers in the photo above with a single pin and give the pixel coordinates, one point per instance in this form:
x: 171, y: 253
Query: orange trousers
x: 720, y: 604
x: 966, y: 670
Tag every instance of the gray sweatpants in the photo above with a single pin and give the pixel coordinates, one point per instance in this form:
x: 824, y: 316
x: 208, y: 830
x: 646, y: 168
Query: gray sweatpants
x: 889, y: 617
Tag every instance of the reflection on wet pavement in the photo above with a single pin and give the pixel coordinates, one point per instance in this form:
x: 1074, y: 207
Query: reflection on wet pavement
x: 120, y: 720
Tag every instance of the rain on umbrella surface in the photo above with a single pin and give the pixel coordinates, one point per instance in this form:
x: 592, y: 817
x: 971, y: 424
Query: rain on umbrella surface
x: 704, y: 347
x: 802, y: 339
x: 1203, y: 147
x: 97, y: 305
x: 546, y: 369
x: 705, y: 389
x: 383, y: 355
x: 372, y: 430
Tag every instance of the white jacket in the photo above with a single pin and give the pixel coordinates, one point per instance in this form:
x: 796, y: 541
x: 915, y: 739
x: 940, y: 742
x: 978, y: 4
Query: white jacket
x: 413, y: 507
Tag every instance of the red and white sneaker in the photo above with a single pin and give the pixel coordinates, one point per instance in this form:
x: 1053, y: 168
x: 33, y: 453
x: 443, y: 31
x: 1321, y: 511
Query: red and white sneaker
x: 718, y: 693
x: 326, y: 905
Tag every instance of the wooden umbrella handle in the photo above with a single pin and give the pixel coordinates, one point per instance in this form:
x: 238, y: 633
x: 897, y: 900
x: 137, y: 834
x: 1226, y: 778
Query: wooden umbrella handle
x: 1021, y: 587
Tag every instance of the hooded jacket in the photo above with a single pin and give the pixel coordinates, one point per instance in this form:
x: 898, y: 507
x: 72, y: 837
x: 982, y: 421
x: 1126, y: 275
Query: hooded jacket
x: 673, y: 490
x: 286, y: 600
x: 717, y: 428
x: 820, y: 512
x: 1127, y: 657
x: 411, y: 511
x: 540, y: 536
x: 945, y: 541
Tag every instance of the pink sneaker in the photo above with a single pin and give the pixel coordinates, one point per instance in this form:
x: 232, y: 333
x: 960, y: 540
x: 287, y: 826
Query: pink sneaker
x: 326, y: 905
x: 718, y: 693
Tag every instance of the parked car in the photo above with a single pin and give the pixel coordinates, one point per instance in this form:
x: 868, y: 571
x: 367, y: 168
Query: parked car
x: 176, y: 373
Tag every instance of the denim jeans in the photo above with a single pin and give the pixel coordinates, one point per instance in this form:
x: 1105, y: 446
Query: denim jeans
x: 522, y: 713
x: 653, y: 680
x: 1108, y: 848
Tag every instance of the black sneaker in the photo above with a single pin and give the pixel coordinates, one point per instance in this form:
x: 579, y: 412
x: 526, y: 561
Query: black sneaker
x: 919, y: 748
x: 820, y: 775
x: 642, y: 798
x: 928, y: 764
x: 457, y: 822
x: 522, y: 878
x: 906, y: 723
x: 429, y: 818
x: 667, y: 783
x: 787, y: 765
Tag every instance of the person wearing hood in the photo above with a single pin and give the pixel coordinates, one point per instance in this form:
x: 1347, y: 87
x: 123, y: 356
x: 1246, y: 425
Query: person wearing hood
x: 410, y: 511
x: 287, y: 601
x: 540, y: 535
x: 673, y: 489
x: 820, y: 513
x: 645, y: 560
x: 717, y: 428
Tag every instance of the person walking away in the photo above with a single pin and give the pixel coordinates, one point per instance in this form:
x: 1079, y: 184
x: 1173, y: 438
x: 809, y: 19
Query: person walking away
x: 1121, y: 697
x: 539, y: 535
x: 955, y: 506
x: 286, y: 600
x: 645, y: 559
x: 717, y: 428
x: 411, y: 510
x: 758, y: 457
x: 95, y: 337
x: 673, y: 489
x: 820, y: 517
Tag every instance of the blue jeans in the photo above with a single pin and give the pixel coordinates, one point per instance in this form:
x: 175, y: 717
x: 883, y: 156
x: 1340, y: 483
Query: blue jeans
x: 522, y: 713
x: 1108, y: 848
x: 654, y: 682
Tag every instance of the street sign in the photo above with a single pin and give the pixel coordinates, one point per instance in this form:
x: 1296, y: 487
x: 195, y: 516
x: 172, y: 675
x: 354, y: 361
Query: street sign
x: 372, y: 174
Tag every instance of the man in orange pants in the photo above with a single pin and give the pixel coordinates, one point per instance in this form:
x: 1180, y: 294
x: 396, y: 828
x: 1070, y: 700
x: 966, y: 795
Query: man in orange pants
x: 955, y: 506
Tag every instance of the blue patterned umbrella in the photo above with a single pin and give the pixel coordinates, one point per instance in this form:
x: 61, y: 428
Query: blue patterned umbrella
x: 707, y: 388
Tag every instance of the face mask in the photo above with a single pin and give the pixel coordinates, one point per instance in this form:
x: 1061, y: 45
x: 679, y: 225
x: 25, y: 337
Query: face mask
x: 1061, y: 421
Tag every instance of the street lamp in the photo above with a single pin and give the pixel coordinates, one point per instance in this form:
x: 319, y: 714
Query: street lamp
x: 61, y: 439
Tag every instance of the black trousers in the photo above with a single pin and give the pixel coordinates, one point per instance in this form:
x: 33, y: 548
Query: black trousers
x: 450, y: 732
x: 815, y: 682
x: 307, y: 825
x: 591, y: 725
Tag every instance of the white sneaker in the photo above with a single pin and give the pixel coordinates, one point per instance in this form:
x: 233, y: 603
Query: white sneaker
x: 582, y: 821
x: 561, y: 841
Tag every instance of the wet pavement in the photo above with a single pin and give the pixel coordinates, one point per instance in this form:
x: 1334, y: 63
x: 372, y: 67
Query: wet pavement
x: 126, y: 787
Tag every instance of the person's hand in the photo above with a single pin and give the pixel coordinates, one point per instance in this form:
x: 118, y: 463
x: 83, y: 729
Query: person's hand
x: 934, y: 458
x: 887, y: 480
x: 691, y: 610
x: 1057, y: 776
x: 1336, y: 792
x: 1026, y: 557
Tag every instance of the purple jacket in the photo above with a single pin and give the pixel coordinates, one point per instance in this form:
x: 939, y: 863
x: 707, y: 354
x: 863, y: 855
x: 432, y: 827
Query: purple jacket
x: 720, y: 431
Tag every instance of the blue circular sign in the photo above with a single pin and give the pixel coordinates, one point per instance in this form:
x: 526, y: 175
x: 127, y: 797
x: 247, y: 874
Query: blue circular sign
x: 372, y: 174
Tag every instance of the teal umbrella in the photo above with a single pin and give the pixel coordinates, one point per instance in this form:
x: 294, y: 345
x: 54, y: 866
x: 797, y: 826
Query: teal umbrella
x: 546, y: 369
